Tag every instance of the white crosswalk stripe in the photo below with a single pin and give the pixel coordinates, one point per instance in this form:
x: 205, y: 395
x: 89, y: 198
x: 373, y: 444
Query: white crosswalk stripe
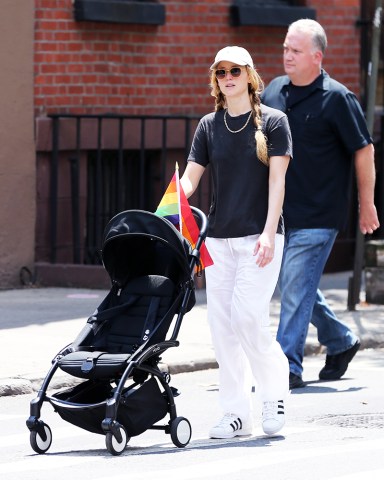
x: 140, y: 449
x: 226, y: 466
x: 23, y: 438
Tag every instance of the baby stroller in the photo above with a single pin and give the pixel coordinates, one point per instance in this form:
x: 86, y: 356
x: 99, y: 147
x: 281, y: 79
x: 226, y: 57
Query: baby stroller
x: 123, y: 392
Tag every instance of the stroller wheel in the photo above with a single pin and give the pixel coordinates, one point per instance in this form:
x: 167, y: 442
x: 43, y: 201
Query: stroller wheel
x: 181, y: 432
x: 113, y: 445
x: 39, y: 444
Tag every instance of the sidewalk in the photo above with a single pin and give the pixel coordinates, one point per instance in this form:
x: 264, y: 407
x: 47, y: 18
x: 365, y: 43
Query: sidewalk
x: 35, y: 323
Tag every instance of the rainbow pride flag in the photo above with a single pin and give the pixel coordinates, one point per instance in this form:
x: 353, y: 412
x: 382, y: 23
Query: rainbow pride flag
x: 173, y: 206
x: 169, y: 207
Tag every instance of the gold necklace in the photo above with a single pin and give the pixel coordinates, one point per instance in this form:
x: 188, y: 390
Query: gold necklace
x: 240, y: 129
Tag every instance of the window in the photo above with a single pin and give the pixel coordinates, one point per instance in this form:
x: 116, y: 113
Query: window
x: 148, y: 12
x: 268, y: 12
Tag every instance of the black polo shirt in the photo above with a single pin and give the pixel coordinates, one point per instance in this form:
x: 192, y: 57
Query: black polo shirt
x: 240, y: 180
x: 328, y: 126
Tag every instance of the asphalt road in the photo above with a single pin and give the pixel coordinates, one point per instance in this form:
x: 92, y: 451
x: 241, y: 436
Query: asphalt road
x: 334, y: 431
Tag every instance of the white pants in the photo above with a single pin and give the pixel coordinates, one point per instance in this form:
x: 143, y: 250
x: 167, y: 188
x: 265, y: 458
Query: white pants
x: 238, y: 297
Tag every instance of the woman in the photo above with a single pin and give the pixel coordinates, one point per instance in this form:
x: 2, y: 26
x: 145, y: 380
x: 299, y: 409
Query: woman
x: 248, y: 148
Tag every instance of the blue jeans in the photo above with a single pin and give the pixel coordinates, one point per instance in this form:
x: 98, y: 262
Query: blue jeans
x: 305, y: 254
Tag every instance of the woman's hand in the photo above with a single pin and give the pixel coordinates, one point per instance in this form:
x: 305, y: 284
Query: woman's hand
x: 264, y: 249
x: 265, y: 245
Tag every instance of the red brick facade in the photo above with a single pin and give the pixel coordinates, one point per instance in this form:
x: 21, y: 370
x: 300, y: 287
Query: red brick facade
x: 85, y: 67
x: 99, y: 67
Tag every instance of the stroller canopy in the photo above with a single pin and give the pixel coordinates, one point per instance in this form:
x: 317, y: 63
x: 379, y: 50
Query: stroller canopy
x: 137, y: 243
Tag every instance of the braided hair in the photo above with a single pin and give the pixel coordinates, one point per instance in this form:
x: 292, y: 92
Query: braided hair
x: 255, y: 87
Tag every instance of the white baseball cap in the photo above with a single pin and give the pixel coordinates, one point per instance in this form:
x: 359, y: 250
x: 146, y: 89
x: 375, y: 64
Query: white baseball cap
x: 237, y: 55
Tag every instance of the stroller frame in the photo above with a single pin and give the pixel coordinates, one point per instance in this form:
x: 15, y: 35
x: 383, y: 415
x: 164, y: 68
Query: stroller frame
x: 141, y: 363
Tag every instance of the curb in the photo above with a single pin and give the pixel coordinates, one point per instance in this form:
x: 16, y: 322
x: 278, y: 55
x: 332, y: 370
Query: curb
x: 15, y: 386
x: 174, y: 368
x: 22, y: 386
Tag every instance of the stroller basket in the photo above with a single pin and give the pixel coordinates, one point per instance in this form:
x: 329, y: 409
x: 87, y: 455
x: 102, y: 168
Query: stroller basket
x: 85, y: 406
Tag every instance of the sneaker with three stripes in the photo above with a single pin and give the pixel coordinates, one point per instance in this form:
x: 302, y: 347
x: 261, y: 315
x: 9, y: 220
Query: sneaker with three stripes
x: 273, y: 417
x: 231, y: 426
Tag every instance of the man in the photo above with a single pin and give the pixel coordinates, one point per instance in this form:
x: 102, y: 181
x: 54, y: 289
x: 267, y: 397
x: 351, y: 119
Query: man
x: 329, y: 136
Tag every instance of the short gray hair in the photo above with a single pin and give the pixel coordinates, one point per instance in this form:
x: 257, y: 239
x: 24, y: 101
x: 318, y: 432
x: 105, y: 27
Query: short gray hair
x: 319, y: 37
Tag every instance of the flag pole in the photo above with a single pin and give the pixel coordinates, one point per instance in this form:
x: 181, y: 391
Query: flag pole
x: 178, y: 197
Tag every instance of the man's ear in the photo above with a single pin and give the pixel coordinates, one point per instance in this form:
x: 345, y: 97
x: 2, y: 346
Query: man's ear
x: 318, y: 57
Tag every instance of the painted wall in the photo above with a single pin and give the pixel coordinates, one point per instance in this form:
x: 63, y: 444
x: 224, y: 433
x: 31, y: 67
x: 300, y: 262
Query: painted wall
x: 17, y: 152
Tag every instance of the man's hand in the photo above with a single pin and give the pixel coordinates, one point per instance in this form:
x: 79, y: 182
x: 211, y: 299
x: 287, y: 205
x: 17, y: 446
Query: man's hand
x: 368, y: 220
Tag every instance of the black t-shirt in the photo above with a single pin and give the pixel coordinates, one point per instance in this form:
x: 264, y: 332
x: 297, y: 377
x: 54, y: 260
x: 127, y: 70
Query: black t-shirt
x: 240, y: 180
x: 327, y: 126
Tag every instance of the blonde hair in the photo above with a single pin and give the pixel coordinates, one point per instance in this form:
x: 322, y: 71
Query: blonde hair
x: 255, y: 87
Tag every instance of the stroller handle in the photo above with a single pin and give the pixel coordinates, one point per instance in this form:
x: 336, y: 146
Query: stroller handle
x: 195, y: 257
x: 202, y: 224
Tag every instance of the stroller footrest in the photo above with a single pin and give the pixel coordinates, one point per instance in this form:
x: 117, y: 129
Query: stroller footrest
x: 94, y: 365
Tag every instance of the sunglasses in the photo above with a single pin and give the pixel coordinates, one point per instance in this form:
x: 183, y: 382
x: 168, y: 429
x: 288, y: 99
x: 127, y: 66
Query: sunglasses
x: 234, y: 71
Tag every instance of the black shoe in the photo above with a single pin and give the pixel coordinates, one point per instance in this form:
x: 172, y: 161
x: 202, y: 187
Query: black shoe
x: 336, y: 365
x: 295, y: 381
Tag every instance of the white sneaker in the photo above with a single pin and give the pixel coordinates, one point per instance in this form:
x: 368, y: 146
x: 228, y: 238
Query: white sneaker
x: 231, y: 426
x: 273, y: 417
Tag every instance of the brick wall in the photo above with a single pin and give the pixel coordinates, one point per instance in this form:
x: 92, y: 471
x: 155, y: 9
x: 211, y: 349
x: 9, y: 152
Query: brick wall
x: 83, y: 67
x: 342, y: 59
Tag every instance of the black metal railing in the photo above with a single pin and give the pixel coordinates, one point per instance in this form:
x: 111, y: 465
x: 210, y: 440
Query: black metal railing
x: 103, y: 164
x: 116, y: 162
